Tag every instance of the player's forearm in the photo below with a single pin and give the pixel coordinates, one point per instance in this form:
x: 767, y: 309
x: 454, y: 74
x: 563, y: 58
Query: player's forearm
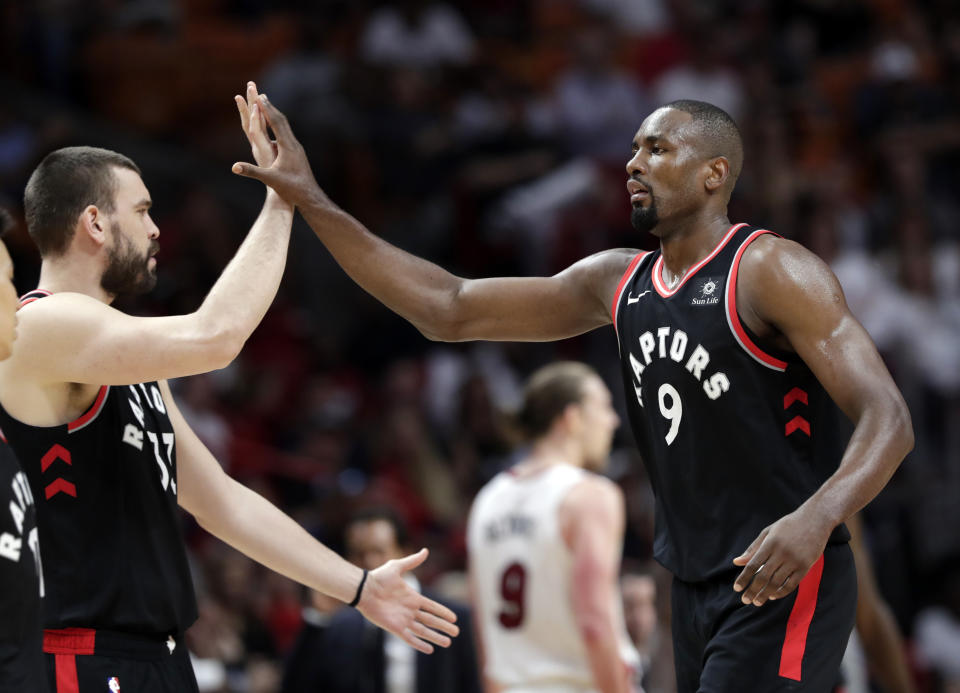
x: 610, y: 673
x: 885, y: 653
x: 257, y: 528
x: 882, y: 438
x: 415, y: 289
x: 241, y: 296
x: 594, y: 616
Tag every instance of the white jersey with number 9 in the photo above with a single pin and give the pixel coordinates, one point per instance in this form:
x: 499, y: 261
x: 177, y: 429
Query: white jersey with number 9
x: 522, y: 573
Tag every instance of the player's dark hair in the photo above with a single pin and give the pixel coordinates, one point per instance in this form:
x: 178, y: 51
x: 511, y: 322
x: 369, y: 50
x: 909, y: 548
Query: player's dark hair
x: 6, y: 221
x: 381, y: 513
x: 62, y: 186
x: 548, y: 392
x: 719, y: 129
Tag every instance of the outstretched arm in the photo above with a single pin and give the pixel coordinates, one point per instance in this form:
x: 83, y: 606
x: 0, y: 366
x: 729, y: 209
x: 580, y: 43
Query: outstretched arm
x: 74, y: 338
x: 592, y: 520
x: 791, y: 293
x: 441, y: 305
x: 254, y: 526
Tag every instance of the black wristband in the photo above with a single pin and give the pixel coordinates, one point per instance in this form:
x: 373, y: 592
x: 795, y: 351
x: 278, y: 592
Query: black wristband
x: 363, y: 581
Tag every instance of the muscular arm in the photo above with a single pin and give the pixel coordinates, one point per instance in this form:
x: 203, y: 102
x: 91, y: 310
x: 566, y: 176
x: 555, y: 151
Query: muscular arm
x: 441, y: 305
x: 257, y: 528
x: 789, y: 293
x: 449, y: 308
x: 592, y: 520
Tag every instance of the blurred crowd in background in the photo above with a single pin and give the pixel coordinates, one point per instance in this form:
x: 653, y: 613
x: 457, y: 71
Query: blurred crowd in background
x: 490, y: 136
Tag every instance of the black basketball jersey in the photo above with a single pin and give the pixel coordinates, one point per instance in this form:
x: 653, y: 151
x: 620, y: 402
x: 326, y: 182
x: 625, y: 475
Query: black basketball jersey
x: 733, y: 436
x: 21, y: 582
x: 106, y: 492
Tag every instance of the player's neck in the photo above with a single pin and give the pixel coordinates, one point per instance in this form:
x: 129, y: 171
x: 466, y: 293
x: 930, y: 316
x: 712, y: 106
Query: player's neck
x: 550, y: 451
x: 688, y: 242
x: 75, y: 275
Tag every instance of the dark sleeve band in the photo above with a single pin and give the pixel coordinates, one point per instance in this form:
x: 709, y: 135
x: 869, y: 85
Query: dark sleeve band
x: 356, y: 598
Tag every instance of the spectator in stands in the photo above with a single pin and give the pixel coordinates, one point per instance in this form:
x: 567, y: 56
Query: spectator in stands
x: 353, y: 658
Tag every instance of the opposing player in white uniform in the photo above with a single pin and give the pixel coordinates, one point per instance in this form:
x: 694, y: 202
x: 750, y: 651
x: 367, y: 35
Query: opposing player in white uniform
x: 545, y: 540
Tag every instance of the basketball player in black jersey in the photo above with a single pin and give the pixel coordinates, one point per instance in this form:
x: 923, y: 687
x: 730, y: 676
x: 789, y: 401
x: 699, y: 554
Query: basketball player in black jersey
x: 735, y: 343
x: 85, y: 404
x: 21, y: 575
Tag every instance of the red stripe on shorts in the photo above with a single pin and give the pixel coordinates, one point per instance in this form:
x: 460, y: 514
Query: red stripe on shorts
x: 795, y: 640
x: 67, y: 681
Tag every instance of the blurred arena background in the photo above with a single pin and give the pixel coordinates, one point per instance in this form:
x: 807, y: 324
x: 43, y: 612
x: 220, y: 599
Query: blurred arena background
x: 490, y: 136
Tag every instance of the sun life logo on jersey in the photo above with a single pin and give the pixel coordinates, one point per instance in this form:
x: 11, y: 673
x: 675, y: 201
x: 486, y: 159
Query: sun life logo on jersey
x: 113, y: 683
x: 708, y: 294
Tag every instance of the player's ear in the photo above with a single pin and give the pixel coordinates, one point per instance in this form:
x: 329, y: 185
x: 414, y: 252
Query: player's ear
x: 718, y: 171
x: 572, y: 416
x: 93, y: 224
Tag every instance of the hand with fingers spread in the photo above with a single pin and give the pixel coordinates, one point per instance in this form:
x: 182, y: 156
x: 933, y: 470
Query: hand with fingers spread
x: 255, y: 127
x: 289, y: 171
x: 388, y: 601
x: 779, y: 558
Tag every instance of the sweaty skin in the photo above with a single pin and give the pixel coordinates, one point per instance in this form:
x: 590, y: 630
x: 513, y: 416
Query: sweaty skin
x: 786, y: 295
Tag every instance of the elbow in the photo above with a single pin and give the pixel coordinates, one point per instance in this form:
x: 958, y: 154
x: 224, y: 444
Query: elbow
x: 904, y: 426
x: 221, y: 344
x: 225, y: 350
x: 593, y: 626
x: 443, y: 322
x: 440, y: 330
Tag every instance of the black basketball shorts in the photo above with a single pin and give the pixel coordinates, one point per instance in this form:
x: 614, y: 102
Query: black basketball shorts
x: 722, y: 645
x: 82, y: 660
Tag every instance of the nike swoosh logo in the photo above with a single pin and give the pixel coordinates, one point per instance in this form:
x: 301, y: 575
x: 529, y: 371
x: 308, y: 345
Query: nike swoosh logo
x: 634, y: 299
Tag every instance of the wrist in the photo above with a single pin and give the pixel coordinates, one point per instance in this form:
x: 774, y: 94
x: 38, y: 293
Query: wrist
x: 275, y: 200
x: 359, y: 593
x: 822, y: 514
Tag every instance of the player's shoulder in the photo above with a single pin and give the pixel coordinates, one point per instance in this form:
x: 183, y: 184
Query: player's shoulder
x: 607, y: 265
x: 593, y: 491
x: 58, y: 306
x: 772, y: 254
x: 772, y: 265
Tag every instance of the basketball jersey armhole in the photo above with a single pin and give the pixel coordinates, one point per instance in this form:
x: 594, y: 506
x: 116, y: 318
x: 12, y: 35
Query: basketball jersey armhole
x: 624, y: 280
x: 740, y: 333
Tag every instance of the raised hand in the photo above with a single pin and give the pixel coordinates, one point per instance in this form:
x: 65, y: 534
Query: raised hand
x: 389, y: 602
x: 289, y: 173
x: 779, y: 558
x: 255, y: 126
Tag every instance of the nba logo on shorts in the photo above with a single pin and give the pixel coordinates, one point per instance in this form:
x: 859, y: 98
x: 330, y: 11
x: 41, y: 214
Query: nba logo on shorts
x: 113, y: 684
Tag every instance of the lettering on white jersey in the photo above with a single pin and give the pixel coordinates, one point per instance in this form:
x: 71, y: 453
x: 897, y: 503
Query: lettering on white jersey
x: 509, y: 526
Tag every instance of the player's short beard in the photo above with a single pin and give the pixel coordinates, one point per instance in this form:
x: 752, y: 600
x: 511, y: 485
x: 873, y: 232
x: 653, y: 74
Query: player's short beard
x: 127, y: 271
x: 644, y: 219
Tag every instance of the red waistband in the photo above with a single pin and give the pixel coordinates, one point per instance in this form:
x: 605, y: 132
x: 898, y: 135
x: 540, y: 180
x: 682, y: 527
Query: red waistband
x: 90, y: 641
x: 78, y: 641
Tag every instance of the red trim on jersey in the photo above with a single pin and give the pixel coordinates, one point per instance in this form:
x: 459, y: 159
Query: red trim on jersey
x: 733, y: 318
x: 24, y: 300
x: 795, y: 639
x: 67, y: 681
x: 72, y: 641
x: 657, y: 272
x: 2, y: 437
x: 92, y: 412
x: 60, y: 486
x: 57, y: 452
x: 797, y: 423
x: 627, y: 276
x: 795, y: 395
